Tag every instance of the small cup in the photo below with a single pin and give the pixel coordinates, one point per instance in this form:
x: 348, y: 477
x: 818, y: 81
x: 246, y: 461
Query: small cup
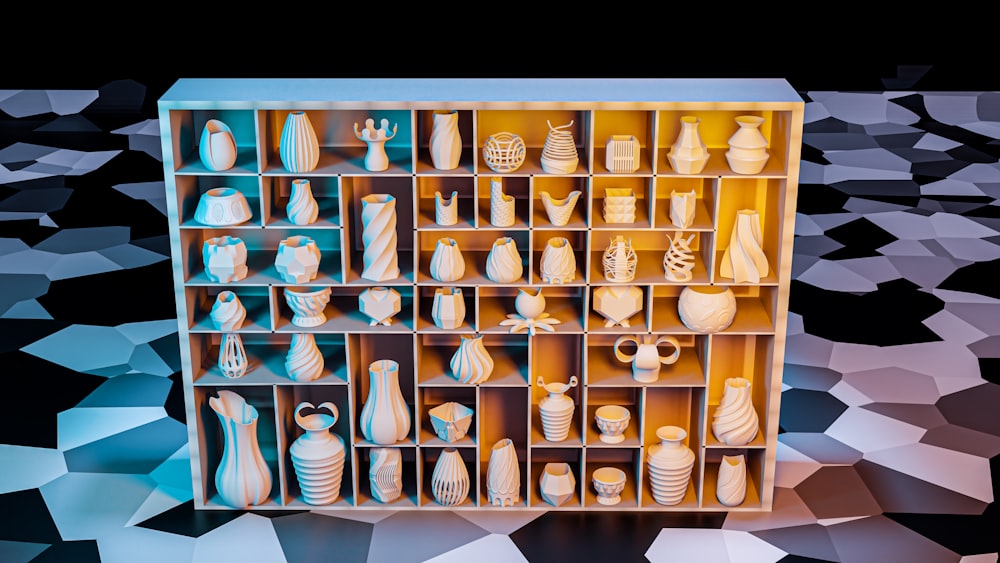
x: 612, y: 420
x: 609, y: 482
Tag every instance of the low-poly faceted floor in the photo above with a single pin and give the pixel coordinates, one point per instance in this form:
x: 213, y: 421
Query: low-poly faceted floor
x: 890, y: 433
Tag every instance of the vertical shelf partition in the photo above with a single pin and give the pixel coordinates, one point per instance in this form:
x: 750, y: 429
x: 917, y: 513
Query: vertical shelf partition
x: 646, y: 112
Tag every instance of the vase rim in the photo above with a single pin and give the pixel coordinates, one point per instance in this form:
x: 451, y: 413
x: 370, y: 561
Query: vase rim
x: 671, y: 433
x: 749, y: 120
x: 384, y: 365
x: 503, y: 443
x: 708, y: 289
x: 222, y: 192
x: 737, y: 382
x: 378, y: 198
x: 224, y: 240
x: 300, y: 181
x: 557, y: 468
x: 445, y: 111
x: 297, y: 241
x: 690, y: 119
x: 306, y: 291
x: 612, y: 413
x: 609, y: 475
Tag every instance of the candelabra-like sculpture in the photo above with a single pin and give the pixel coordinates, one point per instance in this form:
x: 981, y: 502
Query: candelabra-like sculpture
x: 376, y: 160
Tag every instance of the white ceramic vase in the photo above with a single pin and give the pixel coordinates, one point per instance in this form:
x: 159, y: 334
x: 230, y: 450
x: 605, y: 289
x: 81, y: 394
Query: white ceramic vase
x: 503, y: 264
x: 233, y: 361
x: 504, y: 151
x: 446, y: 211
x: 669, y: 464
x: 378, y: 236
x: 450, y: 479
x: 297, y: 259
x: 707, y: 308
x: 747, y: 152
x: 447, y: 263
x: 380, y: 304
x: 302, y: 208
x: 556, y: 409
x: 217, y: 146
x: 448, y: 309
x: 646, y: 360
x: 682, y: 208
x: 503, y: 477
x: 619, y: 205
x: 612, y: 421
x: 228, y: 312
x: 620, y: 260
x: 318, y: 455
x: 559, y: 154
x: 385, y: 474
x: 559, y: 211
x: 735, y: 420
x: 445, y: 141
x: 557, y: 484
x: 609, y: 482
x: 678, y: 260
x: 558, y: 262
x: 243, y: 478
x: 471, y: 363
x: 731, y: 484
x: 623, y: 153
x: 298, y: 146
x: 307, y: 305
x: 376, y: 159
x: 222, y: 207
x: 688, y: 154
x: 385, y: 417
x: 304, y: 361
x: 617, y: 303
x: 225, y: 259
x: 744, y: 260
x: 502, y: 211
x: 451, y: 420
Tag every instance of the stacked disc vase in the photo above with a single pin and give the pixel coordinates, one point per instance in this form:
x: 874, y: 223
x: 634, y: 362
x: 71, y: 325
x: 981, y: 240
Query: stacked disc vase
x: 556, y: 410
x: 318, y: 455
x: 669, y: 464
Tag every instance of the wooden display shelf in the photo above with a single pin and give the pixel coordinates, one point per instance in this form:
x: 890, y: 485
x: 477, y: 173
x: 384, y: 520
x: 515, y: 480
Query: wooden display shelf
x: 686, y: 393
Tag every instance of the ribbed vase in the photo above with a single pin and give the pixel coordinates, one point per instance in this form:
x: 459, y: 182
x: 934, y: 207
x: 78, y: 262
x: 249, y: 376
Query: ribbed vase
x: 448, y: 308
x: 556, y: 410
x: 558, y: 263
x: 446, y: 141
x: 298, y: 147
x: 747, y: 152
x: 304, y: 361
x: 471, y: 363
x: 243, y: 478
x: 735, y: 420
x: 447, y: 263
x: 503, y: 478
x: 318, y: 455
x: 559, y: 154
x: 385, y: 474
x: 302, y: 208
x: 385, y: 417
x: 378, y: 236
x: 450, y: 479
x: 503, y: 265
x: 670, y: 463
x: 744, y: 260
x: 731, y: 484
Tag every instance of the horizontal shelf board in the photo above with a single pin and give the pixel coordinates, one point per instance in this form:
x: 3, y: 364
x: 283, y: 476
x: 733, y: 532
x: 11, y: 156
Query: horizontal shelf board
x: 267, y: 367
x: 246, y: 164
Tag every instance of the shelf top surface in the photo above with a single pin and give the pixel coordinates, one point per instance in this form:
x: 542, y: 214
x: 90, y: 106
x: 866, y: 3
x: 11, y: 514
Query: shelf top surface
x: 265, y: 91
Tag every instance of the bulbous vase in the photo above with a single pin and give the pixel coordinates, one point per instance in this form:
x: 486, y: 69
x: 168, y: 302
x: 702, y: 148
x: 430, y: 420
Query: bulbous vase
x: 318, y: 455
x: 471, y: 363
x: 298, y: 146
x: 302, y: 208
x: 243, y: 478
x: 669, y: 464
x: 447, y: 262
x: 707, y: 308
x: 304, y: 361
x: 503, y: 264
x: 747, y: 152
x: 385, y: 417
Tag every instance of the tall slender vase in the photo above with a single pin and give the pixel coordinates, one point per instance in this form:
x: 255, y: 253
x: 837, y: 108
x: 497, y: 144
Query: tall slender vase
x: 318, y: 455
x: 385, y: 474
x: 217, y: 147
x: 502, y: 213
x: 747, y: 152
x: 385, y: 418
x: 503, y: 477
x: 688, y: 155
x: 670, y: 463
x: 378, y: 235
x: 735, y: 420
x: 243, y: 478
x: 302, y: 208
x: 298, y: 147
x: 744, y: 259
x: 450, y: 479
x: 446, y: 141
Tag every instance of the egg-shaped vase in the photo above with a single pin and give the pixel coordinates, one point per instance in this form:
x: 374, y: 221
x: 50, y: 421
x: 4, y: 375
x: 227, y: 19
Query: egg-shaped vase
x: 707, y: 308
x: 735, y: 421
x: 503, y: 264
x: 318, y: 455
x: 450, y: 479
x: 298, y: 146
x: 446, y: 140
x: 243, y: 478
x: 471, y: 363
x: 669, y: 464
x: 217, y: 146
x: 385, y: 416
x: 447, y: 263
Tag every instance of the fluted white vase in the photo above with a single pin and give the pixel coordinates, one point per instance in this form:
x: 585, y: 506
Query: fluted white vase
x: 304, y: 361
x: 298, y: 146
x: 385, y: 416
x: 378, y: 236
x: 447, y: 262
x: 744, y: 260
x: 450, y: 479
x: 503, y: 264
x: 217, y: 147
x: 559, y: 153
x: 503, y: 477
x: 302, y: 208
x: 448, y: 308
x: 731, y: 484
x: 445, y: 141
x: 735, y: 420
x: 558, y: 262
x: 471, y: 363
x: 385, y: 474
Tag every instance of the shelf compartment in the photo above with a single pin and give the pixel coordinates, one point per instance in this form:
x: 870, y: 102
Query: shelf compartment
x: 262, y: 249
x: 637, y: 323
x: 354, y: 189
x: 430, y: 397
x: 425, y: 309
x: 679, y: 407
x: 604, y: 369
x: 503, y: 413
x: 556, y: 358
x: 762, y: 195
x: 365, y: 349
x: 558, y: 188
x: 565, y: 303
x: 627, y: 397
x: 636, y: 123
x: 626, y: 459
x: 747, y: 356
x: 517, y: 187
x: 531, y: 126
x: 191, y: 188
x: 475, y: 248
x: 715, y: 129
x: 340, y: 150
x: 509, y: 353
x: 277, y: 191
x: 210, y: 440
x: 425, y: 125
x: 641, y: 187
x: 255, y: 299
x: 446, y: 185
x: 428, y: 460
x: 705, y: 202
x: 343, y: 313
x: 540, y: 456
x: 266, y: 355
x: 186, y: 127
x: 409, y: 498
x: 288, y: 399
x: 650, y: 248
x: 577, y: 242
x: 755, y: 310
x: 755, y: 460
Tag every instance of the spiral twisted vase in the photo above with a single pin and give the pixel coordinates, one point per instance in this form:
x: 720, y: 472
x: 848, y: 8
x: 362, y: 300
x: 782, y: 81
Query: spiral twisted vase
x: 302, y: 208
x: 503, y: 265
x: 503, y: 479
x: 735, y: 420
x: 228, y: 312
x: 446, y: 141
x: 744, y: 259
x: 731, y: 485
x: 558, y: 264
x: 304, y: 362
x: 471, y: 363
x: 378, y: 236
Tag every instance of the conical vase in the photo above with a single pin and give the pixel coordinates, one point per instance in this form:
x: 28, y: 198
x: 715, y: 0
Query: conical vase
x: 385, y: 417
x: 298, y: 146
x: 688, y: 154
x: 243, y: 478
x: 670, y: 463
x: 445, y: 141
x: 318, y: 455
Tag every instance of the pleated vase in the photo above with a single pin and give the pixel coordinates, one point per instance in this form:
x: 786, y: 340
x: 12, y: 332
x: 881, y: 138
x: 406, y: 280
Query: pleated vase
x: 298, y: 146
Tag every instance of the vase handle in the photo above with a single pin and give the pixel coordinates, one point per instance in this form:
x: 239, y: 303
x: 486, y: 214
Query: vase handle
x: 677, y: 349
x: 622, y: 357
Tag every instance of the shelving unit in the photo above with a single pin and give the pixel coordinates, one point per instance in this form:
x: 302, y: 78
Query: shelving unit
x: 686, y: 393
